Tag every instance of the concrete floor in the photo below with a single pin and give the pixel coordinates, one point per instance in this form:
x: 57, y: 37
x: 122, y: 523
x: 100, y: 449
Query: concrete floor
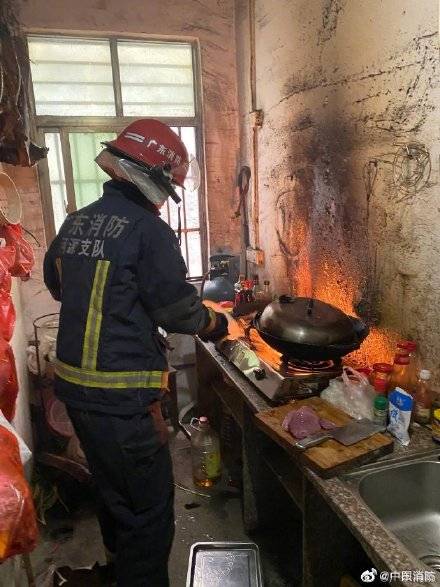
x: 217, y: 518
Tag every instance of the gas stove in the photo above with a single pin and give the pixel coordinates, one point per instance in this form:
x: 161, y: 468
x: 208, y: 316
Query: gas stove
x: 278, y: 378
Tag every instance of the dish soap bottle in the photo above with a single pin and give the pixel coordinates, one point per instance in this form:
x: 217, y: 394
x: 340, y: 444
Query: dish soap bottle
x: 423, y: 398
x: 205, y: 453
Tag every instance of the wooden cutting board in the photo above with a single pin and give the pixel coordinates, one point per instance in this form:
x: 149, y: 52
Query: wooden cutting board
x: 329, y: 458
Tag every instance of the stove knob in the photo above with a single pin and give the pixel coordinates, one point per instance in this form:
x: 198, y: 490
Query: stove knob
x: 259, y: 374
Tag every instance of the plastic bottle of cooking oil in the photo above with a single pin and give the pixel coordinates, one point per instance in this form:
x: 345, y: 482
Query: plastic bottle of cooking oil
x: 423, y: 398
x: 205, y: 453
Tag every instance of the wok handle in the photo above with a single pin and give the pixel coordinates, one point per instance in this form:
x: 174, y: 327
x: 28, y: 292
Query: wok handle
x: 312, y: 440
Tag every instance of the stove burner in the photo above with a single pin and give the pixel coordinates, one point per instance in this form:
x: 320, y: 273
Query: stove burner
x: 278, y: 377
x: 290, y: 366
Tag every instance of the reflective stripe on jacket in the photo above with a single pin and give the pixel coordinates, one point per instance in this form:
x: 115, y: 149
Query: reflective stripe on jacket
x: 117, y: 269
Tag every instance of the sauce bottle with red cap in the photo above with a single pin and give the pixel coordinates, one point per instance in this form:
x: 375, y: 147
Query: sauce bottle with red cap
x: 380, y: 377
x: 401, y: 375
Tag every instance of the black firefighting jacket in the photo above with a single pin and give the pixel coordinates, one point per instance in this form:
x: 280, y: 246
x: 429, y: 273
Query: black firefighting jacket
x: 117, y: 270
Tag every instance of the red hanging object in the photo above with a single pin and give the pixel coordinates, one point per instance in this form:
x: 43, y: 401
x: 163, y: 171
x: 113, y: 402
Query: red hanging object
x: 8, y: 381
x: 24, y: 254
x: 18, y: 522
x: 7, y: 260
x: 7, y: 315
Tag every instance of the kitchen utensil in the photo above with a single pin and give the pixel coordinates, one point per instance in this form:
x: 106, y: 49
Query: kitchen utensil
x: 10, y: 201
x: 234, y: 564
x: 346, y: 435
x: 309, y: 329
x: 329, y: 458
x: 243, y: 181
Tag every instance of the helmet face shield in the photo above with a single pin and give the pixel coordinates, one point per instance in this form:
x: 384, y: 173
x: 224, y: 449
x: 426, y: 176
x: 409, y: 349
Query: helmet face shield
x: 150, y: 187
x: 191, y: 172
x: 154, y: 186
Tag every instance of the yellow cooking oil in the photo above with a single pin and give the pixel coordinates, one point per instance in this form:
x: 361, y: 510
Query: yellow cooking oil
x: 205, y: 454
x: 5, y: 537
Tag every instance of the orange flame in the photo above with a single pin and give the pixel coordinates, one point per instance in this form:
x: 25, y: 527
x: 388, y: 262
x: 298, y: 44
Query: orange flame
x: 341, y: 291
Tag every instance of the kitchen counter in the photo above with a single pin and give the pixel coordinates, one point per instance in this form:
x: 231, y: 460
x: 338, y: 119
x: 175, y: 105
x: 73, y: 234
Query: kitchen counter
x: 383, y: 548
x: 308, y: 490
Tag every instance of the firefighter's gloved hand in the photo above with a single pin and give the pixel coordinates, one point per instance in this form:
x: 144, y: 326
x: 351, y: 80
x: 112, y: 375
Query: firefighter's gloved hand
x: 218, y: 330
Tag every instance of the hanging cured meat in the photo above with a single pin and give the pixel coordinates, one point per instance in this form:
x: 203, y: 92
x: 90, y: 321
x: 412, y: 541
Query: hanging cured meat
x: 16, y: 147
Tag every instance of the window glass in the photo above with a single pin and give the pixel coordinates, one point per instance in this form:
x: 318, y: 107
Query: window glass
x: 57, y: 179
x: 72, y: 77
x: 188, y: 135
x: 156, y: 79
x: 195, y: 254
x: 88, y: 177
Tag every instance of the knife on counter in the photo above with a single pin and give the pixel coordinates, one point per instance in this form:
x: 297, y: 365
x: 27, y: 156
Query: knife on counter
x: 347, y: 435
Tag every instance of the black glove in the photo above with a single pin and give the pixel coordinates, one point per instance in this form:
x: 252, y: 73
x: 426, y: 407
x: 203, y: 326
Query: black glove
x: 219, y: 330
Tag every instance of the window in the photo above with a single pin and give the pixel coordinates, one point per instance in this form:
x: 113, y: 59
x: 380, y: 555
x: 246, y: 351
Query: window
x: 88, y: 90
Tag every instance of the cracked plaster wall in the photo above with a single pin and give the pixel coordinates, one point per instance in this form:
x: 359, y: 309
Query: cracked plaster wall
x: 349, y: 157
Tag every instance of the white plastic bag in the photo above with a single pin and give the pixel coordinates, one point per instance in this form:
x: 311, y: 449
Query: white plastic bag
x: 25, y: 453
x: 32, y: 362
x: 352, y: 393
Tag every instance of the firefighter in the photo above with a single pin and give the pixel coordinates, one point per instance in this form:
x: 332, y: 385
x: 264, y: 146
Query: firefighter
x: 117, y: 270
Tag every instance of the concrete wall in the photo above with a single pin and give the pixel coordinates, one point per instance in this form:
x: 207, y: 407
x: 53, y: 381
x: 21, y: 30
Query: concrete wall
x: 34, y: 298
x: 348, y: 213
x: 19, y: 343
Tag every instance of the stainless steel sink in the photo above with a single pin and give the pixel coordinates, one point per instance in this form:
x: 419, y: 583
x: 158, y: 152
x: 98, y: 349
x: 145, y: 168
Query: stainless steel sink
x: 405, y: 496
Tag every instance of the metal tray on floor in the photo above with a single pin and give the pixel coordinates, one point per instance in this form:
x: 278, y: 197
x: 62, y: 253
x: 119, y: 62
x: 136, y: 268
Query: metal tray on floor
x: 224, y: 564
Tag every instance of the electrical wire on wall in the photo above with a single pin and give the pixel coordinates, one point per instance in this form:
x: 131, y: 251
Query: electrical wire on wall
x: 411, y: 168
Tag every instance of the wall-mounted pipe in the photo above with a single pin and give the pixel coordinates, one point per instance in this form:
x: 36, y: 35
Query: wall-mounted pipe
x: 255, y: 120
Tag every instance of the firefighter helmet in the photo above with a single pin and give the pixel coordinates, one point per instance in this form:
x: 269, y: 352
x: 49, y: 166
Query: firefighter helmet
x: 153, y: 144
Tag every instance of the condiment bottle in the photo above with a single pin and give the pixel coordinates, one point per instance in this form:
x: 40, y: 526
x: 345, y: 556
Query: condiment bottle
x: 380, y: 378
x: 238, y: 286
x: 205, y: 453
x: 435, y: 401
x: 401, y: 348
x: 380, y: 410
x: 423, y: 398
x: 240, y: 294
x: 436, y: 425
x: 400, y: 376
x: 267, y: 293
x: 257, y: 289
x: 414, y: 364
x: 249, y: 294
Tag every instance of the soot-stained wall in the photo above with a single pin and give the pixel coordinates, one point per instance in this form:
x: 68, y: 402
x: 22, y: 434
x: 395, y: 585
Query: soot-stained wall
x: 349, y: 157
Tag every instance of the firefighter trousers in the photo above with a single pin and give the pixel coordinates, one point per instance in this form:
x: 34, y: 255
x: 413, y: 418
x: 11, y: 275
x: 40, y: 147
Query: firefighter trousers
x: 130, y: 462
